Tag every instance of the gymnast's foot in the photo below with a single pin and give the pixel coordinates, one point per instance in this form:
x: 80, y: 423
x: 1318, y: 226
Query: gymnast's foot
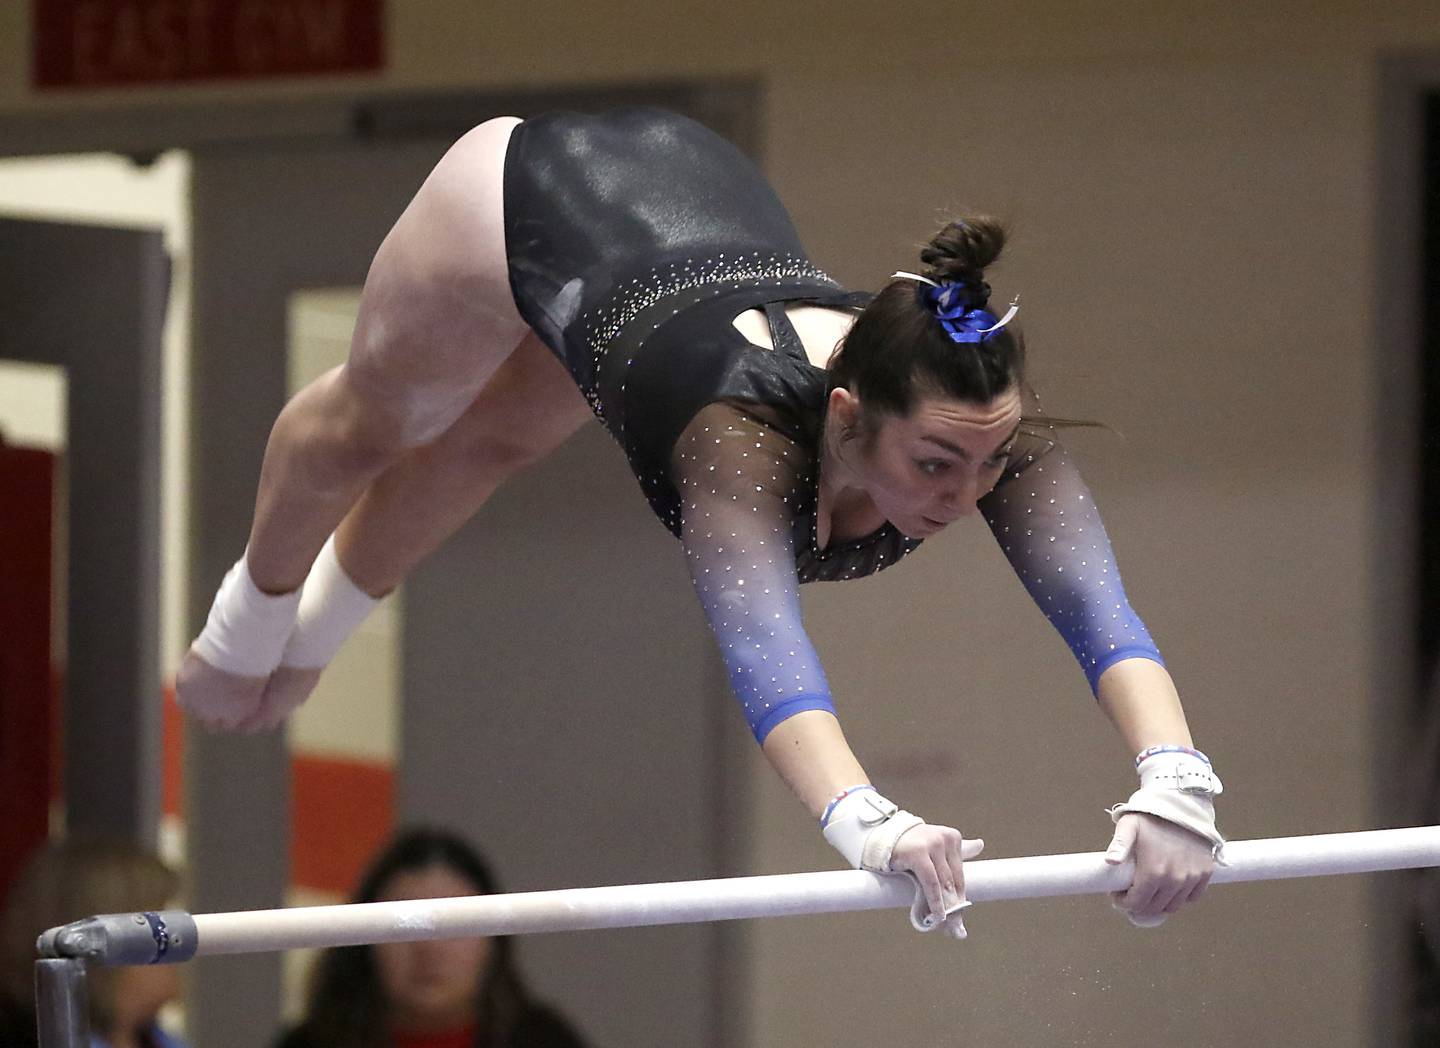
x: 218, y: 699
x: 287, y: 688
x: 224, y: 701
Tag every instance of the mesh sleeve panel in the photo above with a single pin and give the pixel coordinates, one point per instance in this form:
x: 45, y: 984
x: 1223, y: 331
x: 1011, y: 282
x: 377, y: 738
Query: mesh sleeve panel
x: 1047, y: 524
x: 739, y: 480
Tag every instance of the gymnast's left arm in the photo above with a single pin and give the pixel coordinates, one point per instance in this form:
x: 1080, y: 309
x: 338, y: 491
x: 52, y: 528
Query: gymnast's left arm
x: 739, y: 480
x: 1046, y: 522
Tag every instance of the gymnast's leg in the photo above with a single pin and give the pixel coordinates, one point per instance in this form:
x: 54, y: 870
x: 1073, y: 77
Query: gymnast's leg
x: 436, y: 322
x: 527, y: 409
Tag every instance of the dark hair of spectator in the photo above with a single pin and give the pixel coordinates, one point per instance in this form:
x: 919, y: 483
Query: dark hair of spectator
x: 346, y: 1006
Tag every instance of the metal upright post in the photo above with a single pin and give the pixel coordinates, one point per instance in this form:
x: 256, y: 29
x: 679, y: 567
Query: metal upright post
x: 60, y: 1015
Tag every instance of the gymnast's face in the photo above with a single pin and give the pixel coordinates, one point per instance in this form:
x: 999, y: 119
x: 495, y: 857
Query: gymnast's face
x: 929, y: 468
x: 431, y: 986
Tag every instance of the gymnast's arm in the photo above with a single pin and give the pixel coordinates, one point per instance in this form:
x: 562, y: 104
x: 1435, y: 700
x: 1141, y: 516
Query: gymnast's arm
x: 738, y: 478
x: 1047, y: 525
x: 1045, y: 520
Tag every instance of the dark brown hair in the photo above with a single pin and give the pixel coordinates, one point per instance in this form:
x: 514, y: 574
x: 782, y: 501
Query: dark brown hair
x: 898, y: 350
x: 346, y: 1006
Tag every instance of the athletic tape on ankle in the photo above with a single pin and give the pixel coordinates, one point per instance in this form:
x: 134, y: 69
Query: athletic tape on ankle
x: 247, y: 629
x: 331, y: 608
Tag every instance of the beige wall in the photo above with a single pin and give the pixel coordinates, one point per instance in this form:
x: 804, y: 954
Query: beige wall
x: 1193, y: 198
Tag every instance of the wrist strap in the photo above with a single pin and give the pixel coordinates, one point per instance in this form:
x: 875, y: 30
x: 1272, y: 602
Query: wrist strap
x: 1178, y: 768
x: 863, y: 826
x: 829, y: 808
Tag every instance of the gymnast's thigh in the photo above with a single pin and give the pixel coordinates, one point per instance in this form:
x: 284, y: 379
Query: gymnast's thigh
x: 437, y: 317
x: 529, y: 407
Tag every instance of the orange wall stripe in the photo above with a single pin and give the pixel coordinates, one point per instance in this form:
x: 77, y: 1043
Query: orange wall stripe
x: 342, y: 812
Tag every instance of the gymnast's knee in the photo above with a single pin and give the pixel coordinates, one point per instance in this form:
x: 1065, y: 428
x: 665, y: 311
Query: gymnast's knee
x: 339, y: 432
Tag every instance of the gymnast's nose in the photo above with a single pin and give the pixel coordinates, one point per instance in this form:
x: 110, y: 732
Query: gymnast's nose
x: 959, y: 501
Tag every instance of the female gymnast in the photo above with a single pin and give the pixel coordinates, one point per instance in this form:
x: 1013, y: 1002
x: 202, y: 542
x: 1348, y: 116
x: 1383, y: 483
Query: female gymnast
x: 784, y: 429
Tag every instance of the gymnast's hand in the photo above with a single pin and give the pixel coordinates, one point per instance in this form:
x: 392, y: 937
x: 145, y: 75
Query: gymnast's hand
x: 875, y: 834
x: 1172, y: 867
x: 935, y: 856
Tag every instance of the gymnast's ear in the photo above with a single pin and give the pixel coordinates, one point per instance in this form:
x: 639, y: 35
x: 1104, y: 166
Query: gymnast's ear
x: 846, y: 414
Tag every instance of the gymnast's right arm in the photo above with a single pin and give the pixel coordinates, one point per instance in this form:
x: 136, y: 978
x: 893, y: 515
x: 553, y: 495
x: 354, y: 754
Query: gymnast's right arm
x: 738, y: 478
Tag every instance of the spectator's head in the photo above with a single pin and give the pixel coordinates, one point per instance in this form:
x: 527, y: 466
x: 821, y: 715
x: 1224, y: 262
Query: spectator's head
x: 80, y: 878
x: 359, y: 993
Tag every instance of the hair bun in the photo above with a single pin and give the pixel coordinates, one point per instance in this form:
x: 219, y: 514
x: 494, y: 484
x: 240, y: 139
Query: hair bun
x: 961, y: 252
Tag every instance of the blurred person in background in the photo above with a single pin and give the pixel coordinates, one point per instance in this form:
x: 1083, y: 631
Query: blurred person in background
x: 68, y: 881
x: 449, y: 993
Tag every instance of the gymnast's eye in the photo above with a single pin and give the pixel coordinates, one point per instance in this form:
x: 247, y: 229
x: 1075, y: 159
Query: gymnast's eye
x: 932, y: 467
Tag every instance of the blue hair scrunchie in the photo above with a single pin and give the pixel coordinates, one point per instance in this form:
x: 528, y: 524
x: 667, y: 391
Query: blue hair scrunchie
x: 960, y: 308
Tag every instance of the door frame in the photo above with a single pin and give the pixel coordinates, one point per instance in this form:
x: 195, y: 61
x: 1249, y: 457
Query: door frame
x: 143, y: 131
x: 92, y: 299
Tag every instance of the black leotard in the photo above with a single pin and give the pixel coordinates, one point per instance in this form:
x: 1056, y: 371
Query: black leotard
x: 634, y: 240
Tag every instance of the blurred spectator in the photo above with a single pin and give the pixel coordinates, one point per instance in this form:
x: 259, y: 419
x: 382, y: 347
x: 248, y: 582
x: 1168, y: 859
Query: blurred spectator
x: 452, y: 993
x: 66, y: 882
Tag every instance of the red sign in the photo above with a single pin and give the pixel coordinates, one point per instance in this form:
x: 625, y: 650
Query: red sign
x: 104, y: 43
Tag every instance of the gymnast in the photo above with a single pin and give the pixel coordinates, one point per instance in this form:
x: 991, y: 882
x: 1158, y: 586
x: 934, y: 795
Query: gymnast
x: 786, y: 431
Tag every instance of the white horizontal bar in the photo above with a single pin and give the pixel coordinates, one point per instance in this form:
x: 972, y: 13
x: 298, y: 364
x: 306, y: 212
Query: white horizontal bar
x: 682, y: 902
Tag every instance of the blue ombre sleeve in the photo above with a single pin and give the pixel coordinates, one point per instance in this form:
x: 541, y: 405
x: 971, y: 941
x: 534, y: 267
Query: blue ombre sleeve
x: 1046, y: 522
x: 738, y: 478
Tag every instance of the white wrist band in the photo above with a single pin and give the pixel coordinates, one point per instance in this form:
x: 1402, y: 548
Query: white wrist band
x: 863, y: 826
x: 247, y: 629
x: 332, y: 607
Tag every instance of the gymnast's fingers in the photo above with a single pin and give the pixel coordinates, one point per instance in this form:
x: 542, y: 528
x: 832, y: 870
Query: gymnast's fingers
x: 1171, y: 891
x: 916, y: 851
x: 1140, y: 896
x: 960, y: 850
x: 955, y: 865
x: 1200, y: 886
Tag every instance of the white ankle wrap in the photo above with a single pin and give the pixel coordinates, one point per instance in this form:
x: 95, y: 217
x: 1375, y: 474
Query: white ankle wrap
x: 247, y: 629
x: 331, y: 608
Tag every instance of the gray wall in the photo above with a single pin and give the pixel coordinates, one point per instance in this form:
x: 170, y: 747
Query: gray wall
x: 564, y: 706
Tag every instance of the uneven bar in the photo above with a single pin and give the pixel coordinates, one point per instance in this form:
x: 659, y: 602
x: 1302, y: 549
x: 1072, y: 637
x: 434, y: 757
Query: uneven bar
x: 108, y: 939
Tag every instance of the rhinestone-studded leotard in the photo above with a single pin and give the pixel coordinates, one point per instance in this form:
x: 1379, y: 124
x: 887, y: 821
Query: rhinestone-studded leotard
x: 634, y: 240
